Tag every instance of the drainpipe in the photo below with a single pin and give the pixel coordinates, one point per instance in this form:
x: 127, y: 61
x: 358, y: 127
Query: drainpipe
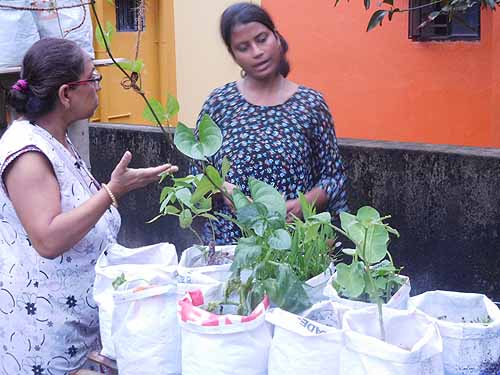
x: 166, y: 50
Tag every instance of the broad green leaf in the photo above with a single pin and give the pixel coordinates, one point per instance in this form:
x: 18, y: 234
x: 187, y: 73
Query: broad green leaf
x: 202, y: 188
x: 376, y: 19
x: 367, y: 215
x: 259, y: 227
x: 350, y: 252
x: 184, y: 195
x: 135, y: 66
x: 375, y: 248
x: 185, y: 219
x: 240, y: 200
x: 346, y: 220
x: 250, y: 213
x: 214, y: 175
x: 321, y: 218
x: 171, y: 210
x: 255, y: 296
x: 164, y: 193
x: 280, y: 240
x: 210, y: 136
x: 246, y: 253
x: 268, y: 196
x: 109, y: 31
x: 286, y: 291
x: 226, y: 166
x: 351, y: 279
x: 186, y: 143
x: 356, y: 233
x: 168, y: 199
x: 158, y: 110
x: 172, y: 106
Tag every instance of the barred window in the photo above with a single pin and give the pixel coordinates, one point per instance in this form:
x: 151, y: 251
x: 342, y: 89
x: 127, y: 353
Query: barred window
x: 422, y: 25
x: 127, y: 14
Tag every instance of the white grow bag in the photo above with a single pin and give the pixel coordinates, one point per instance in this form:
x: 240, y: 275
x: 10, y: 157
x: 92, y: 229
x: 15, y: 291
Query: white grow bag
x: 398, y: 301
x: 469, y: 348
x: 145, y: 329
x: 413, y: 345
x: 150, y: 263
x: 223, y: 344
x: 303, y: 346
x: 193, y: 260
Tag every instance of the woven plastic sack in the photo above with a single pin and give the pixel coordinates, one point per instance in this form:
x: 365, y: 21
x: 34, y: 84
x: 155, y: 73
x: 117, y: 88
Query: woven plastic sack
x: 73, y: 23
x: 469, y: 324
x: 150, y: 263
x: 413, y: 345
x: 303, y: 346
x: 18, y: 32
x: 223, y: 344
x: 145, y: 330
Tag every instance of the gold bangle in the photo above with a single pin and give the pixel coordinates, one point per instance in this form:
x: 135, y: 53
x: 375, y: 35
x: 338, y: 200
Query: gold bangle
x: 114, y: 202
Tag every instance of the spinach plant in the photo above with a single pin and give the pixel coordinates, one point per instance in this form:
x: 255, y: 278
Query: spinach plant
x: 262, y: 250
x: 313, y: 242
x: 371, y: 274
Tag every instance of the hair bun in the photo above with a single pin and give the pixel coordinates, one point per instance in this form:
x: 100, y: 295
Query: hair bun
x: 17, y: 99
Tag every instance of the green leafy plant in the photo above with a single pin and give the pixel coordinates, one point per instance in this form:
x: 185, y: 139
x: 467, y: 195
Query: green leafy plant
x: 371, y: 275
x: 313, y: 242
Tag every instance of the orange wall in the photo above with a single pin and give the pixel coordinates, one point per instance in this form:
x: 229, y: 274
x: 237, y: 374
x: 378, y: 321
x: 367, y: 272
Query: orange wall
x: 380, y: 85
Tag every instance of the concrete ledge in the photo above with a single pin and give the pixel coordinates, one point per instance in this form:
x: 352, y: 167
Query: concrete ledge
x: 444, y: 200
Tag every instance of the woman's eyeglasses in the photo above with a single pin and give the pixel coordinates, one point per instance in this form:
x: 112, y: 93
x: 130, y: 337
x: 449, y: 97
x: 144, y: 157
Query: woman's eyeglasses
x: 94, y: 80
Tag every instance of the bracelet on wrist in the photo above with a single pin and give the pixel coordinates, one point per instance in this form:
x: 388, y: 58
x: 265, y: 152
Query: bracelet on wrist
x: 114, y: 202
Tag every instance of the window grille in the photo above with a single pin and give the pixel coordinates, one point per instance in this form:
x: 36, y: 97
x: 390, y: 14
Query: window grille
x: 462, y: 25
x: 127, y: 15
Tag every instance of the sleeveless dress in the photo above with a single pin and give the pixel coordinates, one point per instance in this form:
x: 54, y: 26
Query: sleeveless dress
x: 291, y: 146
x: 48, y: 318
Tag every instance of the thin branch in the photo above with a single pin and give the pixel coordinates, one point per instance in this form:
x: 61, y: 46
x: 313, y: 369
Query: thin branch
x: 132, y: 79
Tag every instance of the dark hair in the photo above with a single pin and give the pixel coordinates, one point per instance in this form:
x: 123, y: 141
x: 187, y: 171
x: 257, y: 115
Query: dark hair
x: 47, y: 65
x: 243, y: 13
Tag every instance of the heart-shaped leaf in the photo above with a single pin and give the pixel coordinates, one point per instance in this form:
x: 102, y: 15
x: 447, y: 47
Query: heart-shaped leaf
x: 210, y: 136
x: 280, y: 240
x: 351, y: 279
x: 375, y: 248
x: 268, y: 196
x: 172, y: 106
x: 186, y: 143
x: 158, y: 110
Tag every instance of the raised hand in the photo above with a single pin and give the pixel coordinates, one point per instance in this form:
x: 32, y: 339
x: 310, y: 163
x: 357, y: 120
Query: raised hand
x: 125, y: 179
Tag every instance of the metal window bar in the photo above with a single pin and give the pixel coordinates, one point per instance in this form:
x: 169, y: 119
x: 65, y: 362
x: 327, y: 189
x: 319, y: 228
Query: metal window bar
x: 126, y: 15
x: 463, y: 26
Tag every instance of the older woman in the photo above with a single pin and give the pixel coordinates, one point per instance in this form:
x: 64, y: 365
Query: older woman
x: 55, y: 217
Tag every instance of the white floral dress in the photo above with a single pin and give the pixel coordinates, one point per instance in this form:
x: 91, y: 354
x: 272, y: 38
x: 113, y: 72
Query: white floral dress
x: 48, y: 318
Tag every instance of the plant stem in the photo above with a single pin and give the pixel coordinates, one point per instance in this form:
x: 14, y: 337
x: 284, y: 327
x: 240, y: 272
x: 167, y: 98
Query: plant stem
x: 378, y: 301
x: 196, y: 234
x: 135, y: 87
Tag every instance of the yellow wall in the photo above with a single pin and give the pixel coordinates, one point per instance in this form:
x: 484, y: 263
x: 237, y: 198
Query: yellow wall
x: 203, y: 62
x: 157, y: 49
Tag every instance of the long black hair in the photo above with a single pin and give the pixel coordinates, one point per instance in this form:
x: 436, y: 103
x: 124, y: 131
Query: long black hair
x: 243, y: 13
x: 47, y: 65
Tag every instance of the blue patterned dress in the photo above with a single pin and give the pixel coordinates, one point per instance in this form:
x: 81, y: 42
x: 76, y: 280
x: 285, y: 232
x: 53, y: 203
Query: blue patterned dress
x: 291, y: 146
